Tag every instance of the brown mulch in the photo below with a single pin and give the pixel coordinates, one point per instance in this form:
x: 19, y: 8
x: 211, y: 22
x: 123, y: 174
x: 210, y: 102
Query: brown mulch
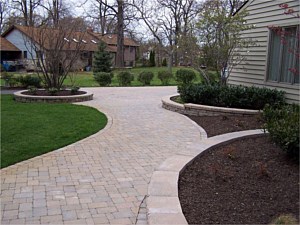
x: 59, y: 93
x: 216, y: 125
x: 249, y: 181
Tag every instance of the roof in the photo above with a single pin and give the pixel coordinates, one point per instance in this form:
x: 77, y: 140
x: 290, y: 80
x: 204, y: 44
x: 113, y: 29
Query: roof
x: 5, y: 45
x: 89, y: 40
x: 112, y: 39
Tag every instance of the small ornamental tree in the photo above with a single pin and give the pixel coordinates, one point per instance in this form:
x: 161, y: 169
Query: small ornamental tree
x: 220, y: 35
x: 102, y: 59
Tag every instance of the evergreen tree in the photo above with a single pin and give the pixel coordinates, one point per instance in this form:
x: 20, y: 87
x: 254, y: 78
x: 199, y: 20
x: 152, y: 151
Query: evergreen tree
x: 152, y: 58
x: 102, y: 59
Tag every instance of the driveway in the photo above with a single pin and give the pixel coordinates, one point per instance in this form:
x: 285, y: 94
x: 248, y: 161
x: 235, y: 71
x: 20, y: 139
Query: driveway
x: 102, y: 179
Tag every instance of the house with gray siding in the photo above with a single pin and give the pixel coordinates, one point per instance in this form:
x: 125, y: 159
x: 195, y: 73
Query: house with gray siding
x: 270, y: 61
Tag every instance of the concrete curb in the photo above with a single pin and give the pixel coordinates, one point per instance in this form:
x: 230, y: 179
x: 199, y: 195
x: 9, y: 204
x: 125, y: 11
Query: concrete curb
x: 163, y: 205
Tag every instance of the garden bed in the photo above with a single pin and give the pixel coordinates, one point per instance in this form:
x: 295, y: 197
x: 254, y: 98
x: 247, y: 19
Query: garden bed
x: 249, y: 181
x: 226, y: 124
x: 61, y: 97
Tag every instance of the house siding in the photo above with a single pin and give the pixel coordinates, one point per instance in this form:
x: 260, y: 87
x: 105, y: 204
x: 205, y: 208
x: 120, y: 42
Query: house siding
x: 252, y: 71
x: 20, y: 41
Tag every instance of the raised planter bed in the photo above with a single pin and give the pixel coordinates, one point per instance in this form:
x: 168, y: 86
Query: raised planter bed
x: 203, y: 110
x: 83, y: 96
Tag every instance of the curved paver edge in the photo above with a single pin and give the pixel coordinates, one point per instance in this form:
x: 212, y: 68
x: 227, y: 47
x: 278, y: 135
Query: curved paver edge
x: 108, y: 126
x: 163, y: 205
x: 202, y: 132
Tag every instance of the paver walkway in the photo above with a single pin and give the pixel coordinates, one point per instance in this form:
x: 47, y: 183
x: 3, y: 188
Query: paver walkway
x: 104, y: 178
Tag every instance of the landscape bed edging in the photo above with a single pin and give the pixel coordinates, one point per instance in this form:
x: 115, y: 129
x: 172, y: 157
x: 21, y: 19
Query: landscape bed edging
x: 19, y: 97
x: 204, y: 110
x: 163, y: 205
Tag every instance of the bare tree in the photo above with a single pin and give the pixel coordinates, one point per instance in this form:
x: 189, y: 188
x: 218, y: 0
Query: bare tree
x: 4, y: 14
x: 54, y: 51
x: 168, y: 21
x: 55, y: 10
x: 102, y: 16
x: 27, y: 9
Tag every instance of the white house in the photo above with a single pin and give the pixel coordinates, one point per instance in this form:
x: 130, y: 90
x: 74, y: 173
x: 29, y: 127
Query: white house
x: 270, y: 61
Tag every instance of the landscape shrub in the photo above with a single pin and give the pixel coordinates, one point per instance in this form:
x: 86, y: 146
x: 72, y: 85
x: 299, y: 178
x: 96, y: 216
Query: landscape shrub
x: 53, y: 91
x: 145, y: 77
x: 74, y: 90
x: 125, y: 78
x: 104, y: 79
x: 185, y: 76
x: 230, y: 96
x: 282, y: 122
x: 164, y: 76
x: 29, y: 80
x: 9, y: 79
x: 32, y: 90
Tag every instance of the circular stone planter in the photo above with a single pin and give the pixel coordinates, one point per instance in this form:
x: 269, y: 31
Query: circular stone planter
x: 20, y: 97
x: 204, y: 110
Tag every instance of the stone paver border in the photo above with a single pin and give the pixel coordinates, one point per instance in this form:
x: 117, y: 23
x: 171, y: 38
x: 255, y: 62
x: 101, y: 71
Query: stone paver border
x: 19, y: 97
x: 203, y: 110
x: 163, y: 205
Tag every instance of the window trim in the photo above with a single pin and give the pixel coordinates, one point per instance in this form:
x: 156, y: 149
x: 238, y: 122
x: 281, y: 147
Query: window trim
x: 269, y: 41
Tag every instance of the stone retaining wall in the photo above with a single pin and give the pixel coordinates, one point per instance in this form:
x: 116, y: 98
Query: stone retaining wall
x: 19, y: 97
x: 204, y: 110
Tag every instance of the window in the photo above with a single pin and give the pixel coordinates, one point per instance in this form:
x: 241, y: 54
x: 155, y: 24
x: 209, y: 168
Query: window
x: 25, y: 54
x: 283, y: 55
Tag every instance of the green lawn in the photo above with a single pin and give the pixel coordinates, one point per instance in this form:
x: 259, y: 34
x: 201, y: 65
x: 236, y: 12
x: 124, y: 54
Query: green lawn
x: 29, y: 130
x: 86, y: 79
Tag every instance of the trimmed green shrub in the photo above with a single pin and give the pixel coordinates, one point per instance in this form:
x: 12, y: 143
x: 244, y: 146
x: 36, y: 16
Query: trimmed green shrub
x: 53, y: 91
x: 74, y: 90
x: 104, y: 79
x: 145, y: 77
x: 185, y: 76
x: 32, y: 90
x: 282, y: 122
x: 125, y: 78
x: 29, y: 80
x: 9, y: 79
x: 230, y: 96
x: 164, y: 76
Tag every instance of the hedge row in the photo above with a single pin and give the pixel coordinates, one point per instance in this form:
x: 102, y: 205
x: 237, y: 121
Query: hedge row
x: 230, y: 96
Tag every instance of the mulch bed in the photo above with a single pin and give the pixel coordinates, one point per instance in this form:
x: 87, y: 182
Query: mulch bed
x: 216, y: 125
x: 249, y: 181
x: 59, y: 93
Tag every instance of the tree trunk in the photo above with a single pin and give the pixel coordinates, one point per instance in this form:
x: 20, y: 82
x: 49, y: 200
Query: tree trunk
x: 120, y: 44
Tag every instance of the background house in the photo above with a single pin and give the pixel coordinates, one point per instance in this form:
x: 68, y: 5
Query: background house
x: 10, y: 55
x: 267, y: 64
x: 22, y: 37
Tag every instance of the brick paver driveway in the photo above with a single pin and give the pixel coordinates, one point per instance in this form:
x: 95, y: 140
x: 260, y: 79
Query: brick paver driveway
x: 102, y: 179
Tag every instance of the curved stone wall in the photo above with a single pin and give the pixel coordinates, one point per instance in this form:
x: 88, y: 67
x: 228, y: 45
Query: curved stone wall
x: 204, y: 110
x: 19, y: 97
